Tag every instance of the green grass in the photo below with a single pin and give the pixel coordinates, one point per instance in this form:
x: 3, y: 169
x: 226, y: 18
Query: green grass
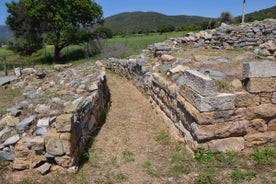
x: 238, y: 175
x: 163, y: 138
x: 128, y: 156
x: 147, y: 165
x: 265, y: 156
x: 207, y: 177
x: 204, y: 157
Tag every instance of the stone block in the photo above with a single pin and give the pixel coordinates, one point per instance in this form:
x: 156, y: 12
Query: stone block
x: 44, y: 169
x: 221, y: 101
x: 204, y: 133
x: 271, y: 126
x: 24, y: 124
x: 259, y: 69
x: 260, y: 138
x: 273, y: 98
x: 265, y: 97
x: 245, y: 99
x: 53, y: 143
x: 264, y: 111
x: 64, y: 123
x: 202, y: 84
x: 227, y: 144
x: 256, y: 85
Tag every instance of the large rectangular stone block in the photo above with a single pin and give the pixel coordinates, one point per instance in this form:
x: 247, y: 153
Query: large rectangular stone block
x: 259, y: 69
x: 256, y: 85
x: 222, y: 101
x: 204, y: 133
x: 202, y: 84
x: 245, y: 99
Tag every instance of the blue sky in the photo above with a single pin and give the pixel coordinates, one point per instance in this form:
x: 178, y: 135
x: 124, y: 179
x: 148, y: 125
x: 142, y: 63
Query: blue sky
x: 207, y: 8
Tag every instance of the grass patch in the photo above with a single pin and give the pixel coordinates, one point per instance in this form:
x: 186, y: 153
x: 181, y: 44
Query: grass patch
x: 9, y: 96
x: 120, y: 177
x: 266, y: 156
x: 238, y: 175
x: 181, y: 161
x: 224, y: 85
x: 206, y: 177
x: 147, y: 165
x: 204, y: 157
x: 128, y: 156
x: 163, y: 138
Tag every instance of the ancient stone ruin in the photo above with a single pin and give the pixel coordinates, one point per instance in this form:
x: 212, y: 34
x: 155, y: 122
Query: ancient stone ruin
x: 62, y: 107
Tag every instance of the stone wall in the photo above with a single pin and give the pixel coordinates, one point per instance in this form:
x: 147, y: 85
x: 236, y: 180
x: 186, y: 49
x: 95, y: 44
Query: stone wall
x: 61, y: 116
x: 205, y: 118
x: 259, y: 33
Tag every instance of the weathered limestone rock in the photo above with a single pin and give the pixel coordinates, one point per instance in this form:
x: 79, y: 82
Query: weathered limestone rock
x: 245, y: 99
x: 265, y: 97
x: 257, y: 125
x: 44, y: 169
x: 68, y: 142
x: 271, y: 126
x: 167, y: 58
x: 227, y: 144
x: 9, y: 120
x: 260, y: 138
x: 264, y: 111
x: 222, y: 101
x: 45, y: 122
x: 202, y: 84
x: 64, y: 161
x: 42, y: 109
x: 64, y: 123
x: 6, y: 154
x: 236, y: 85
x: 259, y: 69
x: 25, y: 158
x: 61, y: 67
x: 53, y: 143
x: 12, y: 140
x: 273, y: 98
x: 24, y: 124
x: 256, y: 85
x: 37, y: 143
x: 15, y: 111
x: 219, y: 130
x: 5, y: 133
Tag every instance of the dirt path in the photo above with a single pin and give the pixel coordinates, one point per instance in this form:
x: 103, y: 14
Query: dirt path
x: 126, y: 149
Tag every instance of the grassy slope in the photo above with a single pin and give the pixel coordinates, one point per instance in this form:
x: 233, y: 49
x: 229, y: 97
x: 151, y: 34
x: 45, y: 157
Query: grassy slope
x: 136, y: 21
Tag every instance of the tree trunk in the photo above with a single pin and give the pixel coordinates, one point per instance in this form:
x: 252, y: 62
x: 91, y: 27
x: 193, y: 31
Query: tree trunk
x: 57, y: 54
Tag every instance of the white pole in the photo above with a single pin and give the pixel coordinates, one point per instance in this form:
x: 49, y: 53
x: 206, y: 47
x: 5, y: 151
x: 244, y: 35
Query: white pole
x: 243, y: 11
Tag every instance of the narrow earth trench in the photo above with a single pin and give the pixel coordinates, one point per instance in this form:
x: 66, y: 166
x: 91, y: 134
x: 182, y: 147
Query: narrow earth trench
x: 132, y: 146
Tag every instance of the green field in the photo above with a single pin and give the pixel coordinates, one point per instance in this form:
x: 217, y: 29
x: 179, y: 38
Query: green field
x: 119, y: 46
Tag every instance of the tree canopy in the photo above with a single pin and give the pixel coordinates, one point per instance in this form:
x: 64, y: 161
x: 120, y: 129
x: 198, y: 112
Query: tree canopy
x: 59, y: 23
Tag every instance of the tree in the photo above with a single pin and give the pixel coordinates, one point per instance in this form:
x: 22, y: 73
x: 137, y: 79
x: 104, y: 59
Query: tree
x: 103, y: 32
x: 226, y: 17
x: 59, y: 21
x: 26, y: 40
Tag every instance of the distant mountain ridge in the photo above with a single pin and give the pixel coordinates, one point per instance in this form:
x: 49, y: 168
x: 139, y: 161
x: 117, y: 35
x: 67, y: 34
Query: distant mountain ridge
x: 148, y: 21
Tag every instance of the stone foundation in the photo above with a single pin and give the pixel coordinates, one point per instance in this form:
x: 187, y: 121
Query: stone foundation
x: 205, y: 118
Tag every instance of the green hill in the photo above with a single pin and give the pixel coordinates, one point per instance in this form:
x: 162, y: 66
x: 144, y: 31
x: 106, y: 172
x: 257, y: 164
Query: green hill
x: 148, y: 21
x: 260, y: 15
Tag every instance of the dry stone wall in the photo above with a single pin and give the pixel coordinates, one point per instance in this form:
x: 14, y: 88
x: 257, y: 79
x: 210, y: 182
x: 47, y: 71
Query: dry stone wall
x: 52, y: 125
x: 208, y: 119
x: 260, y: 33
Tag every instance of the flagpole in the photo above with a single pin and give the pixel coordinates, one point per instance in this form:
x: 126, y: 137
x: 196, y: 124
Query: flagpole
x: 243, y: 11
